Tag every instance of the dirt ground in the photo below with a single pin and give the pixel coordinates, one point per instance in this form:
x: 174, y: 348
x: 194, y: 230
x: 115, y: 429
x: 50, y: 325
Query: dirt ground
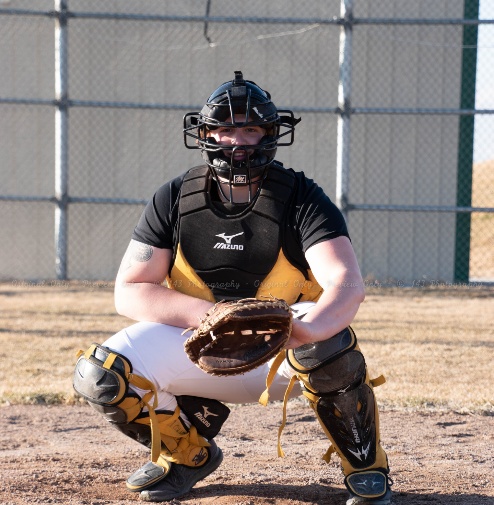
x: 69, y: 455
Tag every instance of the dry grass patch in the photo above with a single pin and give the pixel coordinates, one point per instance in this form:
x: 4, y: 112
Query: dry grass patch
x: 482, y: 228
x: 42, y: 326
x: 433, y: 345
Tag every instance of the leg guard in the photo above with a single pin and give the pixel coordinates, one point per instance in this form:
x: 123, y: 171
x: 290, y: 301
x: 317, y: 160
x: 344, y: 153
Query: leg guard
x: 181, y: 445
x: 336, y: 382
x: 102, y: 377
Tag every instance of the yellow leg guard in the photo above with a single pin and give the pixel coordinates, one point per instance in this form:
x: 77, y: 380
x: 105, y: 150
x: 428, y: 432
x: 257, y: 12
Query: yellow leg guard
x: 179, y: 444
x: 103, y: 377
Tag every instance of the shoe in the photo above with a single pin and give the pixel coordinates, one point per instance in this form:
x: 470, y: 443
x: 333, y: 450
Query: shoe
x: 181, y: 479
x: 369, y: 487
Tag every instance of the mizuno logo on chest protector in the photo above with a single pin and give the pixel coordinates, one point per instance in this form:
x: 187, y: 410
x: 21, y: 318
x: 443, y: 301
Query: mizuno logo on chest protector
x: 227, y: 244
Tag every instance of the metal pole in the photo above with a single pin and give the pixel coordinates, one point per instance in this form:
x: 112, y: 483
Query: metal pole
x: 61, y: 138
x: 465, y: 144
x: 344, y: 103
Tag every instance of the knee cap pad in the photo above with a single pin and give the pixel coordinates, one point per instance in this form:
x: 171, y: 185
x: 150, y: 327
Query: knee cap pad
x: 329, y: 366
x: 101, y: 377
x: 343, y: 374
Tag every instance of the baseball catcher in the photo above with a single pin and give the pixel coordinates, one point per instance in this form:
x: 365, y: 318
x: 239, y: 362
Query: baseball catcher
x: 256, y: 261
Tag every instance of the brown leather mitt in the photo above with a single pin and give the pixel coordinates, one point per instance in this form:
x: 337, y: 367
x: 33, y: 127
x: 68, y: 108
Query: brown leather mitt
x: 240, y: 335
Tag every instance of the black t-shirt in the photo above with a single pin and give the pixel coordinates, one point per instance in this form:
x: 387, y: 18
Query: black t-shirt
x: 312, y: 217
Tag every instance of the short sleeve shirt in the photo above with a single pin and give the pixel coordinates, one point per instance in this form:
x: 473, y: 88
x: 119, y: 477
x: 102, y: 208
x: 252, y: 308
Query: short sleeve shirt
x: 311, y: 218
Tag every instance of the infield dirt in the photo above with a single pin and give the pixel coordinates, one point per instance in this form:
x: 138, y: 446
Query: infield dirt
x: 66, y: 455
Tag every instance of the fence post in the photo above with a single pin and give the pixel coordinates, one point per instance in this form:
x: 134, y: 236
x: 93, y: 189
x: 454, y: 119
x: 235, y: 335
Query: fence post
x: 61, y: 138
x: 465, y: 144
x: 344, y: 101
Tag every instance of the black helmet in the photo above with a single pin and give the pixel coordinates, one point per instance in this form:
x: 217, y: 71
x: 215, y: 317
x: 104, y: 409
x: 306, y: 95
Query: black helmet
x: 246, y: 98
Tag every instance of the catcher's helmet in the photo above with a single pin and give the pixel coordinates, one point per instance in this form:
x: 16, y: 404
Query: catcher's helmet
x: 246, y: 98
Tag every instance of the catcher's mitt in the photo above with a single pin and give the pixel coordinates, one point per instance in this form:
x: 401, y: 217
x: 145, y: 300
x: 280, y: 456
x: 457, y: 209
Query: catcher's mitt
x: 240, y: 335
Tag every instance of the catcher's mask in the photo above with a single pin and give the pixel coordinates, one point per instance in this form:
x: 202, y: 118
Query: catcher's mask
x: 242, y: 98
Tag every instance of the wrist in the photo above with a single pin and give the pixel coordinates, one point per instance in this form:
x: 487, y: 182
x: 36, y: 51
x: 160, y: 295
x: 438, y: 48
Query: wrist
x: 301, y: 334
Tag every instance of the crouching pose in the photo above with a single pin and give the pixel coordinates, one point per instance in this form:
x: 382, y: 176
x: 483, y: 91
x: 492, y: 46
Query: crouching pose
x: 240, y: 225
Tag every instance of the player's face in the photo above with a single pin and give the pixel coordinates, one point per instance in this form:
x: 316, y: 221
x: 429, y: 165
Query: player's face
x: 248, y: 135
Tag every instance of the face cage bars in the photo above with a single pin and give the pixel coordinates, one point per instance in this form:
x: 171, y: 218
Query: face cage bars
x: 195, y: 121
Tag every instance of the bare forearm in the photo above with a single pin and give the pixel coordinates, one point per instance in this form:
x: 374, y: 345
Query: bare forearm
x: 336, y: 269
x: 140, y: 294
x: 334, y: 311
x: 159, y: 304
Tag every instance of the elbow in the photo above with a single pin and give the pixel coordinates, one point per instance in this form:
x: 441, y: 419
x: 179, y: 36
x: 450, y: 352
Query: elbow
x: 120, y: 299
x: 356, y: 295
x: 360, y: 294
x: 120, y: 309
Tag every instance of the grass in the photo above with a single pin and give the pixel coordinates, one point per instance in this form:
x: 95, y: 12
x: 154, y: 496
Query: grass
x: 42, y: 326
x: 482, y: 227
x: 434, y: 345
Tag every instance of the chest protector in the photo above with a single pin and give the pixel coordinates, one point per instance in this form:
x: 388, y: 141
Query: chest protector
x: 220, y: 256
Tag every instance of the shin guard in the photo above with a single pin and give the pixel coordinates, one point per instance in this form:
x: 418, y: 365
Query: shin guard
x: 336, y: 382
x: 179, y: 444
x: 103, y: 377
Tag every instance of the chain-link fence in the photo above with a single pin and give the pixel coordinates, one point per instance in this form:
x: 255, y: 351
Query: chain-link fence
x: 92, y: 96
